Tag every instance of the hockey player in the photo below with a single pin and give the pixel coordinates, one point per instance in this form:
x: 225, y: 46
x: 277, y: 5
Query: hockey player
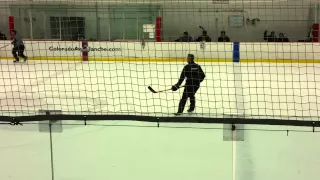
x: 18, y: 46
x: 185, y: 38
x: 195, y: 75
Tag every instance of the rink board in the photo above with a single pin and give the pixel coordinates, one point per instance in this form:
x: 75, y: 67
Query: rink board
x: 168, y: 51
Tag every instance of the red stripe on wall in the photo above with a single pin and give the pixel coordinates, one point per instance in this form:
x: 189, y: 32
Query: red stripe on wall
x: 11, y: 26
x: 84, y: 50
x: 315, y: 33
x: 158, y: 29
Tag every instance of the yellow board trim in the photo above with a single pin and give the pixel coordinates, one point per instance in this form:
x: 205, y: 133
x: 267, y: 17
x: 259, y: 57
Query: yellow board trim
x: 110, y: 59
x: 121, y: 59
x: 47, y: 58
x: 56, y: 58
x: 156, y: 59
x: 281, y: 61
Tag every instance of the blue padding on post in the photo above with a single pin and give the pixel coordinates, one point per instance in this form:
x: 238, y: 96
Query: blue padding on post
x: 236, y: 52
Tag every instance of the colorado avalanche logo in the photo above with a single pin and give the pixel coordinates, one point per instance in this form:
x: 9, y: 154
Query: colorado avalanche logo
x: 85, y: 49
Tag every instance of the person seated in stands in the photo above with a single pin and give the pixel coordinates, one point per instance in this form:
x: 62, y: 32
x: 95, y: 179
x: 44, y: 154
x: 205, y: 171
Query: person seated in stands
x: 185, y: 38
x: 310, y: 35
x: 283, y: 38
x: 204, y: 37
x: 3, y: 36
x: 223, y: 37
x: 78, y: 36
x: 271, y: 37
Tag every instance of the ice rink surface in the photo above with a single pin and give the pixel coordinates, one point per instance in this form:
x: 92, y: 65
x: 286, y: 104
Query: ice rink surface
x: 259, y: 90
x: 184, y: 150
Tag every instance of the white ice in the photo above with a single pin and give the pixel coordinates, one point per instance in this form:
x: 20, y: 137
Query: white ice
x: 283, y: 91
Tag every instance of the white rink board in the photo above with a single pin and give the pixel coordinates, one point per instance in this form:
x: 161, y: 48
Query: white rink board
x: 127, y: 50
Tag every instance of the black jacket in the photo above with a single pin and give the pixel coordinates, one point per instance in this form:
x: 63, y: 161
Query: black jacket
x: 3, y: 36
x: 270, y: 38
x: 224, y: 39
x: 283, y: 39
x: 184, y: 39
x: 194, y: 74
x: 203, y: 38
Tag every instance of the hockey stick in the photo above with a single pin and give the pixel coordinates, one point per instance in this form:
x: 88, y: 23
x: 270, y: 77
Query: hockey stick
x: 201, y: 27
x: 153, y: 91
x: 4, y: 46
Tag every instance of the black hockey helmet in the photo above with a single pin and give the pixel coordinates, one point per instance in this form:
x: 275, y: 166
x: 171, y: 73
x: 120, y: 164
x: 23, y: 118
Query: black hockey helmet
x: 191, y: 56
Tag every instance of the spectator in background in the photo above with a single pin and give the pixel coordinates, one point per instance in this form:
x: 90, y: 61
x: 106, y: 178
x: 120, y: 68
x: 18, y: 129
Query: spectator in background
x: 310, y: 35
x: 223, y: 37
x: 78, y: 36
x: 270, y: 38
x: 283, y: 38
x: 204, y: 37
x: 265, y: 35
x: 3, y: 36
x: 185, y: 38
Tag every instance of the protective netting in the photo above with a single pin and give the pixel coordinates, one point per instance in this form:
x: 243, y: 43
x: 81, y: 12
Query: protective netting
x: 99, y: 57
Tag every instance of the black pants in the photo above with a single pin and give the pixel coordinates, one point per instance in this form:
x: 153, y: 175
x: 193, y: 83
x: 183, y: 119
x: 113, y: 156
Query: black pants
x: 189, y: 92
x: 20, y: 50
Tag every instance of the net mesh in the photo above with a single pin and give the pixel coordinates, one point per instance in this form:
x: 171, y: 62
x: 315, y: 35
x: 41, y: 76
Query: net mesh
x: 99, y: 57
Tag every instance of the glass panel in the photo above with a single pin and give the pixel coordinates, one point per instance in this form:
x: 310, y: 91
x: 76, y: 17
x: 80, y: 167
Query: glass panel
x: 131, y: 26
x: 38, y: 24
x: 104, y: 27
x: 116, y: 24
x: 72, y: 28
x: 55, y: 27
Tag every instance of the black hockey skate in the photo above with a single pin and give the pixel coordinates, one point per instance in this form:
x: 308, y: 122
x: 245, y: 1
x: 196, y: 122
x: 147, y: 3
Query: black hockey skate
x: 178, y: 114
x: 190, y: 110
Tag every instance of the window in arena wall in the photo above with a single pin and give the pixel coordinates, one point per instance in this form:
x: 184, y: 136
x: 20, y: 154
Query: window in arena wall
x: 126, y: 21
x: 67, y: 28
